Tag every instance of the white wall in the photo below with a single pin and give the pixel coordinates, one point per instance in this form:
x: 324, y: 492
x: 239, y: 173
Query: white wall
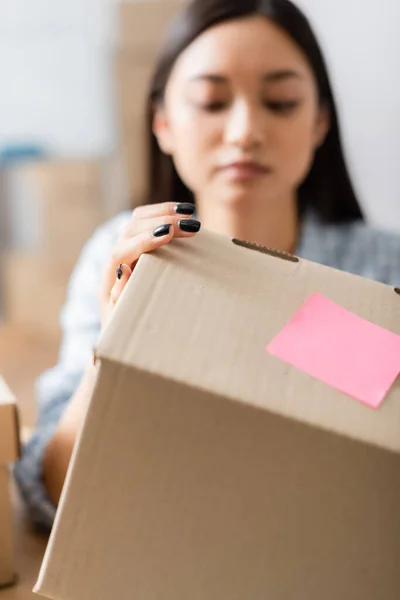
x: 55, y: 74
x: 362, y: 46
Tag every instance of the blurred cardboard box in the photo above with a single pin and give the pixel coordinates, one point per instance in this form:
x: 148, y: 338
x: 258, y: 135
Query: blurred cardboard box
x: 142, y: 23
x: 68, y: 201
x: 134, y: 154
x: 69, y: 196
x: 133, y: 76
x: 35, y: 287
x: 207, y: 467
x: 9, y: 452
x: 68, y: 227
x: 71, y: 176
x: 132, y: 84
x: 142, y: 28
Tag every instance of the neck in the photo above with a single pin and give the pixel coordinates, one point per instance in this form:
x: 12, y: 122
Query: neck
x: 274, y: 226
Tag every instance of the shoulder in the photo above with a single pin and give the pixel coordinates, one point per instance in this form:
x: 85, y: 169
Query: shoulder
x: 357, y: 248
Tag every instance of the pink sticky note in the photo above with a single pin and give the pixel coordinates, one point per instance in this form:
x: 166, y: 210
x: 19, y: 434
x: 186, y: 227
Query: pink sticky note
x: 341, y: 349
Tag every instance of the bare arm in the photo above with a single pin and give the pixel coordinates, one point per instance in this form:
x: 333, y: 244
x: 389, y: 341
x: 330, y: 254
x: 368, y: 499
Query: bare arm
x: 58, y: 453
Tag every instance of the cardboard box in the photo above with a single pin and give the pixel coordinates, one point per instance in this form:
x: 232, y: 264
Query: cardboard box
x: 133, y: 74
x: 135, y: 157
x: 209, y: 469
x: 67, y: 227
x: 143, y: 23
x: 133, y: 71
x: 69, y: 198
x: 116, y: 187
x: 35, y: 289
x: 67, y: 174
x: 9, y: 452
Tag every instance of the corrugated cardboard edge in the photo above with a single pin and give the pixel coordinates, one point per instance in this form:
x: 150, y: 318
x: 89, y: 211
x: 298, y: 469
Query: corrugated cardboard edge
x: 12, y: 453
x: 8, y: 399
x: 8, y: 577
x: 236, y: 399
x: 266, y: 250
x: 41, y: 584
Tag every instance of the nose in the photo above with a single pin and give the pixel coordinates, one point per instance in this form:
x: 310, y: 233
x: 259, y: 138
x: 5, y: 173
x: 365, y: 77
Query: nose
x: 243, y: 127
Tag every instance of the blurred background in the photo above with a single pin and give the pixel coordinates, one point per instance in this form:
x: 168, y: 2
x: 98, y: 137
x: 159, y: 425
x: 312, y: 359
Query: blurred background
x: 74, y: 74
x: 73, y: 79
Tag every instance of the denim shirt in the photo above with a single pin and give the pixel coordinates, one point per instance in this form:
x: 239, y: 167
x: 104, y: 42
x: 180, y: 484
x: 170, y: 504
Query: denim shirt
x: 355, y: 248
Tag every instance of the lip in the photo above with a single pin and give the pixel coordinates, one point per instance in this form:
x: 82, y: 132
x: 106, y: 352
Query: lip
x: 245, y: 170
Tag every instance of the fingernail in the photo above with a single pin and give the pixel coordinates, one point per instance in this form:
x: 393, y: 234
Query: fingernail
x: 119, y: 272
x: 190, y: 225
x: 162, y: 230
x: 185, y: 208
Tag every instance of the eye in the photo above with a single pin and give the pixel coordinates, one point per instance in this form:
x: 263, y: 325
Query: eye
x: 213, y: 106
x: 283, y: 107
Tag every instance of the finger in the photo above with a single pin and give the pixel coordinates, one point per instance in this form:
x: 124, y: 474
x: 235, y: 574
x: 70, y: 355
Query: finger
x: 182, y: 227
x: 149, y: 211
x: 123, y: 274
x: 187, y: 228
x: 129, y: 250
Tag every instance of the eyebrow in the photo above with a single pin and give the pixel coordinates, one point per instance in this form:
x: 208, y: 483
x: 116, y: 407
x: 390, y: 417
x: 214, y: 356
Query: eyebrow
x: 270, y: 77
x: 275, y: 76
x: 214, y: 78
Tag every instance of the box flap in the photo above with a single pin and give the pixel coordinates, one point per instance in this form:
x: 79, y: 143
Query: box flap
x: 9, y: 429
x: 226, y: 301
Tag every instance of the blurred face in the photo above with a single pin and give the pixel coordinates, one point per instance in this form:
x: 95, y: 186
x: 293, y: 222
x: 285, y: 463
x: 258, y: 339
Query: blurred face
x: 241, y: 116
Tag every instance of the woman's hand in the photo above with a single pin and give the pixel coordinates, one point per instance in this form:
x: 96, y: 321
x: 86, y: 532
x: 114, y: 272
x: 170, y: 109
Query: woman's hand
x: 151, y: 226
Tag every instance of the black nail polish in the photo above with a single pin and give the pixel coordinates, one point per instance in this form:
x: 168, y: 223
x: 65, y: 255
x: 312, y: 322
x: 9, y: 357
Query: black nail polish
x: 162, y: 230
x: 185, y: 208
x: 190, y: 225
x: 119, y: 272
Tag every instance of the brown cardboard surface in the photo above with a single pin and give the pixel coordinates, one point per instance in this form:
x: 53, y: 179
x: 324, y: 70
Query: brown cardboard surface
x: 68, y: 226
x: 133, y: 73
x: 9, y: 451
x: 219, y: 471
x: 135, y: 160
x: 142, y: 26
x: 71, y: 175
x: 143, y: 23
x: 34, y: 301
x: 66, y: 201
x: 69, y: 200
x: 29, y: 549
x: 9, y: 445
x: 132, y: 77
x: 7, y: 568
